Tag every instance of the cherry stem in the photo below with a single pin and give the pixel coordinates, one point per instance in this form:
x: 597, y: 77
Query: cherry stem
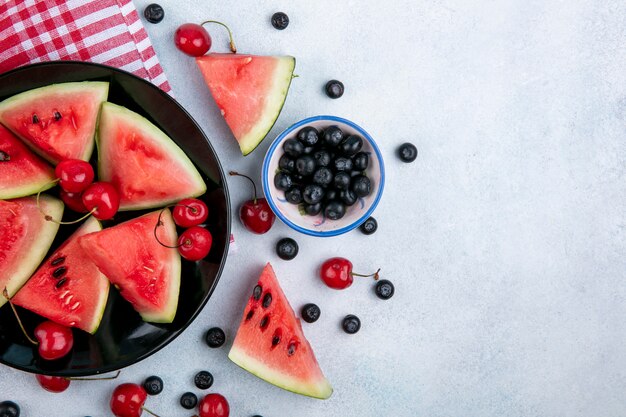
x: 375, y: 275
x: 104, y: 378
x: 231, y: 44
x: 52, y: 219
x: 160, y: 223
x: 148, y: 411
x: 5, y: 293
x: 250, y: 179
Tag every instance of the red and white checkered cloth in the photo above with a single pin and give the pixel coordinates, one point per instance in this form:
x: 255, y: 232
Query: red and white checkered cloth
x: 104, y: 31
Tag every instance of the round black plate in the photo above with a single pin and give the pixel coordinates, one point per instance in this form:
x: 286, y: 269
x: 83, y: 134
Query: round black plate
x: 123, y: 338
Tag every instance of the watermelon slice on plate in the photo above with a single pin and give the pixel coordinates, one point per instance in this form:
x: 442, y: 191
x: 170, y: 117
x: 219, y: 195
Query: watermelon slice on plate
x: 22, y: 172
x: 26, y: 238
x: 270, y: 342
x: 77, y: 301
x: 249, y: 90
x: 57, y: 121
x: 147, y: 168
x: 146, y: 273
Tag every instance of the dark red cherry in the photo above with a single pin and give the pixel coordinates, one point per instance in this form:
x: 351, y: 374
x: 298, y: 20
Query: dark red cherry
x: 53, y: 383
x: 104, y: 198
x: 128, y: 400
x: 192, y: 39
x: 73, y: 200
x: 256, y: 214
x: 214, y: 405
x: 55, y: 340
x: 74, y: 175
x: 190, y: 212
x: 195, y: 243
x: 337, y: 273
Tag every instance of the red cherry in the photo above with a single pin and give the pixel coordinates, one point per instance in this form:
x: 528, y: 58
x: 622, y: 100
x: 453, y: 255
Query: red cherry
x: 104, y: 198
x: 53, y: 383
x: 74, y: 175
x: 256, y: 214
x: 190, y: 212
x: 192, y: 39
x: 73, y: 200
x: 337, y: 273
x: 55, y: 341
x: 128, y: 400
x: 195, y: 243
x: 214, y: 405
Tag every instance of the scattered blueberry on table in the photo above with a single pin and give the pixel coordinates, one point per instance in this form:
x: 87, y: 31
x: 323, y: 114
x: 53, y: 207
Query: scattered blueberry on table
x: 154, y: 13
x: 188, y: 400
x: 280, y: 20
x: 369, y: 226
x: 215, y: 337
x: 310, y: 313
x: 334, y: 89
x: 153, y: 385
x: 9, y: 409
x: 287, y: 248
x: 384, y: 289
x: 407, y: 152
x: 203, y: 380
x: 351, y: 324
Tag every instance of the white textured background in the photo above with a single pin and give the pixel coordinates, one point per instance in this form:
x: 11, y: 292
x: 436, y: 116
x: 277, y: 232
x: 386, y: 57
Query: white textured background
x: 506, y: 239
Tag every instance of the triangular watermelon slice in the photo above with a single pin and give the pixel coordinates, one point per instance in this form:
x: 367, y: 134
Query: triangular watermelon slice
x: 68, y: 288
x: 146, y: 273
x: 249, y: 90
x: 58, y: 121
x: 147, y: 168
x: 271, y: 345
x: 25, y: 239
x: 22, y: 172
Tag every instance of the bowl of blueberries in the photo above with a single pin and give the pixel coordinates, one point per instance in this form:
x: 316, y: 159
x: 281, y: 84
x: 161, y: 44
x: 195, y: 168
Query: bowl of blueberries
x: 323, y: 176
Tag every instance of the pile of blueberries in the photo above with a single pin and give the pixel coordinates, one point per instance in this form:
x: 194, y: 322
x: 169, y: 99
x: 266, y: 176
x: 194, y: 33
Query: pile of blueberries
x: 323, y: 172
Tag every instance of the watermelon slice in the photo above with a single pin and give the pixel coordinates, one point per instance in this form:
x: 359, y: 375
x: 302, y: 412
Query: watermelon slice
x: 79, y: 300
x: 250, y: 91
x: 143, y: 163
x: 21, y: 171
x: 26, y: 237
x: 271, y: 345
x: 58, y: 121
x: 146, y: 273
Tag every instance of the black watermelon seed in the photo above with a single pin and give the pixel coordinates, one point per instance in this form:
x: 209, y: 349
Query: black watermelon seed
x: 291, y: 349
x: 249, y: 315
x: 4, y: 157
x: 264, y: 322
x: 267, y: 300
x: 256, y: 292
x: 59, y: 272
x: 57, y: 116
x: 35, y: 119
x: 58, y: 261
x: 61, y: 282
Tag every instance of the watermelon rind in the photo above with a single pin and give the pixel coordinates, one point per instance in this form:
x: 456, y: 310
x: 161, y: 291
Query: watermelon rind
x: 320, y: 389
x: 99, y: 88
x: 109, y: 115
x: 40, y: 245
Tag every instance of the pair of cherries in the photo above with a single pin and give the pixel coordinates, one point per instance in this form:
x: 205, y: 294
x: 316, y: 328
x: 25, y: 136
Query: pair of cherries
x: 196, y: 241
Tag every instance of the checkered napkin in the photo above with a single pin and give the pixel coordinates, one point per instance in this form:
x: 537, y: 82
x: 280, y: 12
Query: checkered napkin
x: 104, y: 31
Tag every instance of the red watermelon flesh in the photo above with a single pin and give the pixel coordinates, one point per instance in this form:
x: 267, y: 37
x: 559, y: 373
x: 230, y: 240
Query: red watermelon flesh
x: 147, y: 168
x: 22, y: 172
x: 57, y: 121
x: 25, y: 237
x: 146, y: 273
x: 270, y: 342
x: 249, y: 90
x: 79, y: 300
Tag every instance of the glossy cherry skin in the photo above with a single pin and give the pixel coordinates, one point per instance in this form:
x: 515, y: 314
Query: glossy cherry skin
x: 195, y: 243
x: 257, y: 217
x: 53, y: 383
x: 192, y: 39
x: 337, y: 273
x: 214, y: 405
x: 190, y: 212
x: 73, y: 200
x: 103, y: 197
x: 128, y: 400
x: 74, y: 175
x: 55, y: 341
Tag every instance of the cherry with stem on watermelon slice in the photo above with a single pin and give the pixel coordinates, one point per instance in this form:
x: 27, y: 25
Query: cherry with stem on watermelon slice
x: 128, y: 399
x: 73, y: 200
x: 61, y: 383
x: 337, y: 273
x: 74, y: 175
x: 194, y: 40
x: 256, y: 214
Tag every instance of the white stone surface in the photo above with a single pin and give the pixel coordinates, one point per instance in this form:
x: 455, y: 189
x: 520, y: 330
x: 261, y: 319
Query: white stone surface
x: 506, y: 239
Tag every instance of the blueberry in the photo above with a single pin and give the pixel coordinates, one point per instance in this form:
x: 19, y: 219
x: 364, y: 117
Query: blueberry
x: 215, y: 337
x: 351, y: 324
x: 310, y: 313
x: 282, y: 181
x: 384, y: 289
x: 154, y: 13
x: 203, y: 380
x: 332, y: 136
x: 347, y: 197
x: 313, y: 209
x: 369, y: 226
x: 342, y: 180
x: 294, y: 195
x: 305, y: 165
x: 287, y: 164
x: 351, y: 145
x: 361, y: 185
x: 287, y: 248
x: 280, y: 20
x: 360, y: 161
x: 331, y: 194
x: 322, y: 158
x: 334, y: 89
x: 153, y: 385
x: 308, y: 150
x: 407, y: 152
x: 308, y: 136
x: 188, y: 400
x: 323, y: 176
x: 343, y: 164
x: 293, y: 147
x: 312, y: 194
x: 9, y: 409
x: 335, y: 210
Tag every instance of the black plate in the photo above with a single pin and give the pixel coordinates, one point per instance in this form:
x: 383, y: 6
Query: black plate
x: 123, y: 338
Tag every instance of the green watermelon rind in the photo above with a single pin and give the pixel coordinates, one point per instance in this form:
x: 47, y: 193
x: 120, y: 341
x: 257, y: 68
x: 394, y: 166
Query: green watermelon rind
x: 276, y: 97
x: 27, y: 266
x: 110, y: 110
x: 18, y: 100
x: 29, y: 189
